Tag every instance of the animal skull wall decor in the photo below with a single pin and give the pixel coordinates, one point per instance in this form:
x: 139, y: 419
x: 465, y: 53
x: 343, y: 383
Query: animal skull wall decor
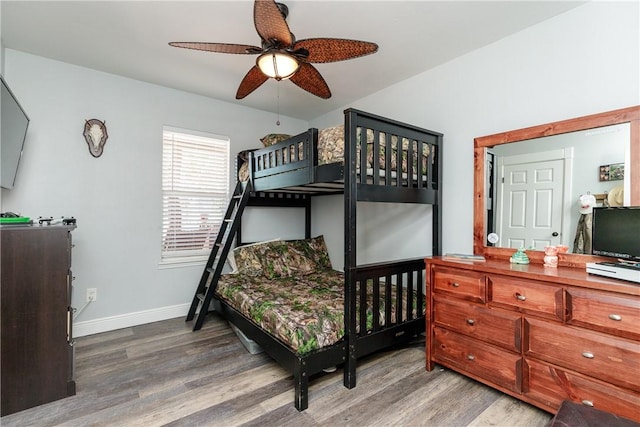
x: 95, y: 133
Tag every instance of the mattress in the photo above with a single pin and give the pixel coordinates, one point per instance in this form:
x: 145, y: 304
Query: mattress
x: 304, y: 312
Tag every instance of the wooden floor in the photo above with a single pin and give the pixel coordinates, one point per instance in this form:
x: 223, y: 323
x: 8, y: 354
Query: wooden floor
x: 164, y: 374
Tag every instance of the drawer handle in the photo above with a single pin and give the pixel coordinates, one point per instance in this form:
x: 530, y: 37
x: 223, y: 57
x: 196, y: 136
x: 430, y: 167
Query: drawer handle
x: 588, y: 355
x: 455, y: 285
x: 520, y: 297
x: 471, y: 321
x: 616, y: 317
x: 471, y: 357
x: 587, y: 403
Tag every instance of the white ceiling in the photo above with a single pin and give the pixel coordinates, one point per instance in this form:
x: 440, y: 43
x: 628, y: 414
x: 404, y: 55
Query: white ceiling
x: 130, y: 38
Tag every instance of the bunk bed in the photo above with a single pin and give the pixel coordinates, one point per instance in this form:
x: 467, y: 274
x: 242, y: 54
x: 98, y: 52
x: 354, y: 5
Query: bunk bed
x: 382, y: 160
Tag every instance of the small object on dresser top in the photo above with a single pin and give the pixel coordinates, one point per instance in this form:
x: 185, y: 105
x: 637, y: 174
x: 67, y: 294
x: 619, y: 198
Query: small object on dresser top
x: 615, y: 270
x: 9, y: 220
x: 51, y: 221
x: 519, y: 257
x: 9, y: 215
x: 550, y: 256
x: 463, y: 257
x: 42, y: 220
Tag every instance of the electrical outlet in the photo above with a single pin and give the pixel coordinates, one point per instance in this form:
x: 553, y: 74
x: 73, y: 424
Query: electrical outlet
x: 92, y: 294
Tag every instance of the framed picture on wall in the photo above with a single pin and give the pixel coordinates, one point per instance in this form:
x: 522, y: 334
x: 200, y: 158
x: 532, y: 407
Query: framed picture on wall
x: 614, y: 172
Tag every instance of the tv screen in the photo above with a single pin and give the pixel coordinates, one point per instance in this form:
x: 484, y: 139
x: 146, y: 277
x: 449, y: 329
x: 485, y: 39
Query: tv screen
x: 13, y: 130
x: 616, y: 232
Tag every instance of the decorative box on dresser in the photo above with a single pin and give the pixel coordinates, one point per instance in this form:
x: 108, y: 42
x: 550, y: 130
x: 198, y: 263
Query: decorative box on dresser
x: 539, y: 334
x: 37, y: 352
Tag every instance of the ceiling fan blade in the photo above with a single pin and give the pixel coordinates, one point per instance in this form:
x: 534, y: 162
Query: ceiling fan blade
x: 332, y: 50
x: 270, y: 23
x: 252, y: 81
x: 219, y: 47
x: 309, y: 79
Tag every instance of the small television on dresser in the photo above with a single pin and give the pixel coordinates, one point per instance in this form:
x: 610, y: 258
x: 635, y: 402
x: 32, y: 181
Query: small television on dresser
x: 616, y: 234
x: 13, y: 130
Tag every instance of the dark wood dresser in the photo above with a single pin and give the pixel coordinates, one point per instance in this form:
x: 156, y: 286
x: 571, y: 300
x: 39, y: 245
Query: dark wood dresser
x: 542, y: 335
x: 37, y: 347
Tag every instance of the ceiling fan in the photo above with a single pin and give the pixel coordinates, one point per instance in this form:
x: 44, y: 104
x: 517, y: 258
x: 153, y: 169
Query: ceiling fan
x: 281, y: 56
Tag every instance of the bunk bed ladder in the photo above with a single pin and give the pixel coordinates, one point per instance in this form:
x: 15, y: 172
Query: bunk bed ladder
x: 218, y: 256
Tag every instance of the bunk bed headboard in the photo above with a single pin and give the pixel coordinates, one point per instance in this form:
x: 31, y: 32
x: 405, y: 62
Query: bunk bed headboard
x: 409, y: 159
x: 412, y: 183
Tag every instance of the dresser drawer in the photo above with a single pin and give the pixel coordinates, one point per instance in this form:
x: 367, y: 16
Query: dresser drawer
x: 612, y: 359
x: 527, y: 296
x: 464, y: 284
x: 604, y: 311
x: 483, y: 361
x: 492, y: 325
x: 550, y: 385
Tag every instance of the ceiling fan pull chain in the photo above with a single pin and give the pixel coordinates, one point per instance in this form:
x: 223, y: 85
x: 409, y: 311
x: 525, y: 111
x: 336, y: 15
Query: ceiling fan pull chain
x: 278, y: 95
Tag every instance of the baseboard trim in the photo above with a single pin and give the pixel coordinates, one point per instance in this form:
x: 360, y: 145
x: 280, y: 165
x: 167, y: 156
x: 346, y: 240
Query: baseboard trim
x: 105, y: 324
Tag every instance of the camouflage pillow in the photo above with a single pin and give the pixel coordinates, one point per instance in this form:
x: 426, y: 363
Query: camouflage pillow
x: 247, y: 259
x: 273, y: 138
x: 280, y: 258
x: 331, y: 145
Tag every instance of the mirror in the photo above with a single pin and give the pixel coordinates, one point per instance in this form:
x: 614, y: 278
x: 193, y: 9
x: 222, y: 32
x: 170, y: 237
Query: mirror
x: 533, y: 188
x: 569, y: 141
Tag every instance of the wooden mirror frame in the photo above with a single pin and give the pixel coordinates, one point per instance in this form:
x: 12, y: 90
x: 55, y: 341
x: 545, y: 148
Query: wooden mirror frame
x: 626, y: 115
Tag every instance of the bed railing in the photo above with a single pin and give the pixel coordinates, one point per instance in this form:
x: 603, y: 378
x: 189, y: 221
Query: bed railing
x: 295, y: 156
x: 373, y: 323
x: 386, y: 159
x: 381, y: 300
x: 401, y: 160
x: 387, y: 294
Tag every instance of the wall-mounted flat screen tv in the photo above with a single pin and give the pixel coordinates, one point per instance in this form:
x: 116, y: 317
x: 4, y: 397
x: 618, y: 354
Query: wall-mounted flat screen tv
x: 13, y: 130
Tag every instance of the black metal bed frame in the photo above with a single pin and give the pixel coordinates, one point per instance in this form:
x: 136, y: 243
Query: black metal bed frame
x: 287, y: 174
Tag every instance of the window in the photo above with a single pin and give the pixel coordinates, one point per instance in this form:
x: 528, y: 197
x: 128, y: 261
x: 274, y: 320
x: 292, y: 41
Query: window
x: 195, y: 189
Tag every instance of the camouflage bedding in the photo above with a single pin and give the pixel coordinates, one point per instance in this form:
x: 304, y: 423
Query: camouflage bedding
x: 289, y: 289
x: 306, y: 312
x: 331, y: 150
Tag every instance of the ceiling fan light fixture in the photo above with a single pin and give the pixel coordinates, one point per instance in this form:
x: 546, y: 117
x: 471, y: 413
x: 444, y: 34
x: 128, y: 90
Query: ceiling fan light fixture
x: 281, y: 56
x: 277, y: 64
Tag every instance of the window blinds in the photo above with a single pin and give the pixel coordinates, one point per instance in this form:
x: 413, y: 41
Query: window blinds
x: 195, y: 187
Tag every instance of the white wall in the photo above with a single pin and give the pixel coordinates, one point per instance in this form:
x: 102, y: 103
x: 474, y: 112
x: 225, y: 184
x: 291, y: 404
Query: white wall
x: 1, y: 57
x: 116, y: 198
x: 582, y: 62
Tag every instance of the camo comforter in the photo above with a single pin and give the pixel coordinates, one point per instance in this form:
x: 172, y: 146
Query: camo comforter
x: 305, y: 312
x: 290, y: 290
